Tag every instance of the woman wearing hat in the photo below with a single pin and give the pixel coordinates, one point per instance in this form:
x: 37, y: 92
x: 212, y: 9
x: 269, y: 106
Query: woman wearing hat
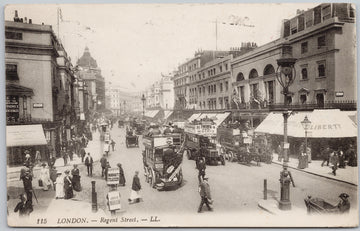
x: 75, y: 173
x: 45, y: 177
x: 59, y: 185
x: 122, y: 180
x: 68, y: 187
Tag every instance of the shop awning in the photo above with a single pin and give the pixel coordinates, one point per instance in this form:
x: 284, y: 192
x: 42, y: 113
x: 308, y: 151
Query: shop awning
x: 218, y: 118
x: 167, y: 114
x: 151, y: 113
x: 324, y: 124
x: 25, y: 135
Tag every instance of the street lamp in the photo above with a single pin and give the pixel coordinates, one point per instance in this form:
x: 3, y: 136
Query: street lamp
x: 285, y: 74
x: 143, y: 99
x: 306, y: 125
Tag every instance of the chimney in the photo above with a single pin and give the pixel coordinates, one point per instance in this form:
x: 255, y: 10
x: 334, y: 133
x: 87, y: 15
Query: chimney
x: 30, y: 21
x: 16, y: 18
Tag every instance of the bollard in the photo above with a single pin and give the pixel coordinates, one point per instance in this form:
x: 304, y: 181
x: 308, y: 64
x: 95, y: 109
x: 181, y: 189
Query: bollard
x: 94, y: 207
x: 265, y: 189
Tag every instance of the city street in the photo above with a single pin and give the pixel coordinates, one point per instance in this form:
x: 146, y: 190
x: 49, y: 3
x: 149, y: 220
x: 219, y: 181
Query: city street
x: 235, y: 188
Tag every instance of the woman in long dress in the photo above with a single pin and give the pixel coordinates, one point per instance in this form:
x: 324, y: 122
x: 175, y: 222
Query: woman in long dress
x: 45, y: 177
x: 135, y: 196
x: 60, y: 186
x: 122, y: 180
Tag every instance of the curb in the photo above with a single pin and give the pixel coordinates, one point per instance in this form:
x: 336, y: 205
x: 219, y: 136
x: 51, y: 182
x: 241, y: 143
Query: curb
x: 316, y: 174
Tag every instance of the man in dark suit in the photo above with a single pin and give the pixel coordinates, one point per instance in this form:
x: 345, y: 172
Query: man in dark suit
x: 135, y: 189
x: 27, y: 182
x: 205, y: 194
x: 89, y: 164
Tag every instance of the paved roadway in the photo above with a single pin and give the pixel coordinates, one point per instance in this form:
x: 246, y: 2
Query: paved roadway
x: 234, y: 187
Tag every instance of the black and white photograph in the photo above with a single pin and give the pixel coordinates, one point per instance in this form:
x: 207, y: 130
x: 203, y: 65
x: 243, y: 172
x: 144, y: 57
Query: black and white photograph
x: 181, y: 115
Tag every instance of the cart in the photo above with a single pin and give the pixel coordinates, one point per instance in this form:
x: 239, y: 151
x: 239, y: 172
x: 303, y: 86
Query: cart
x: 320, y: 206
x: 132, y: 141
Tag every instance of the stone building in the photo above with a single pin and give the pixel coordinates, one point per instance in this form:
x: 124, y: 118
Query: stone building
x: 89, y: 71
x: 39, y: 89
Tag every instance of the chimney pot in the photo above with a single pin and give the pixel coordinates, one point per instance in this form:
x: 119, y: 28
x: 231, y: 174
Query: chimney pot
x: 30, y: 20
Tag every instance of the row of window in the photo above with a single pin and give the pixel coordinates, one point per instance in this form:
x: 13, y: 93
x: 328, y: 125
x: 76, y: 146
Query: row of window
x: 212, y: 104
x: 210, y: 88
x: 321, y: 42
x: 321, y: 70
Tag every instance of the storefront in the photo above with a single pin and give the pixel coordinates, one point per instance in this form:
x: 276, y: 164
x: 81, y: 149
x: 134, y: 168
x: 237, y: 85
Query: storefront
x: 25, y: 137
x: 328, y: 127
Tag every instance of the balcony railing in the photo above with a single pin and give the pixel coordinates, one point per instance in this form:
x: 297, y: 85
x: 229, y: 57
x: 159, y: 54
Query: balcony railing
x: 345, y: 105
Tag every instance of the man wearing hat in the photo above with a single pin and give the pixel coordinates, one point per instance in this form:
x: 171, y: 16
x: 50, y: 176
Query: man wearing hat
x: 103, y: 161
x: 89, y: 164
x: 204, y: 191
x: 344, y: 204
x: 68, y: 187
x: 27, y: 182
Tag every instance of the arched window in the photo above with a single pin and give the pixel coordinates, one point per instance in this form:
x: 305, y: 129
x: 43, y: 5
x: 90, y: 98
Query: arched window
x: 253, y: 74
x: 269, y: 69
x: 240, y: 77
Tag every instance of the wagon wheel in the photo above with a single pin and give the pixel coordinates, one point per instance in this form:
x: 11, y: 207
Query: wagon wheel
x: 180, y: 178
x: 153, y: 178
x: 222, y: 159
x: 231, y: 156
x: 147, y: 178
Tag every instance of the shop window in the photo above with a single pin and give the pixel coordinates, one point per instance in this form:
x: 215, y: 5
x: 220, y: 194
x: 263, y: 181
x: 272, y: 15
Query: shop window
x: 226, y: 86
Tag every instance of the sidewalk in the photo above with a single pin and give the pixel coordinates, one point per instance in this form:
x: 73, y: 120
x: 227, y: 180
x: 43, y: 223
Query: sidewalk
x: 348, y: 175
x: 94, y: 146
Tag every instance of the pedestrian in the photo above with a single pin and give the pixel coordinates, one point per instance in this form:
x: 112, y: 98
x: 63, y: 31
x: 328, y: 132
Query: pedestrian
x: 205, y: 194
x: 28, y: 163
x: 51, y: 162
x: 341, y: 157
x: 135, y: 196
x: 113, y: 144
x: 75, y: 173
x: 326, y: 156
x: 122, y: 180
x: 59, y: 186
x: 106, y: 148
x: 45, y: 177
x: 201, y: 167
x: 89, y: 164
x: 53, y: 176
x: 82, y: 154
x: 70, y: 154
x: 64, y: 156
x: 37, y: 158
x: 107, y: 169
x: 335, y: 161
x: 24, y: 207
x: 68, y: 187
x: 27, y: 182
x: 351, y: 156
x: 103, y: 162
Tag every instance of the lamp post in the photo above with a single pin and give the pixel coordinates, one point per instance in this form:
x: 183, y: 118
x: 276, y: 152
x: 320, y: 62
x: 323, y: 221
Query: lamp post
x: 143, y: 99
x: 306, y: 125
x: 285, y: 74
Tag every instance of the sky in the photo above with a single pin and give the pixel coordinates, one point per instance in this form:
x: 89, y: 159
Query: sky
x: 134, y: 44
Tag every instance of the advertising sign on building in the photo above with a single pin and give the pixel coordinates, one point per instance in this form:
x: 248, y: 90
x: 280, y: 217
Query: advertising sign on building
x: 12, y: 108
x: 113, y: 176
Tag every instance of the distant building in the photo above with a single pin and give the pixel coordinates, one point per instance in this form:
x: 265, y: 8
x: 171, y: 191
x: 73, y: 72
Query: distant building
x: 161, y: 94
x: 91, y: 74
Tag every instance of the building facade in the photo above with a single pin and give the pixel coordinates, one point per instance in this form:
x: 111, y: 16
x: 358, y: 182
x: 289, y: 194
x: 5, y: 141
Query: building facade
x: 39, y: 84
x: 89, y: 71
x: 161, y: 94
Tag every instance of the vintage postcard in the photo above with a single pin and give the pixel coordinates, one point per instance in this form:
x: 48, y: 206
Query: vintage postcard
x: 181, y: 115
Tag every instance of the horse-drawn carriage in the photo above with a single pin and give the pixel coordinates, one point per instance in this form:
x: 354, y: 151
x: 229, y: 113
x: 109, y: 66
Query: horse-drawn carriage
x: 132, y: 140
